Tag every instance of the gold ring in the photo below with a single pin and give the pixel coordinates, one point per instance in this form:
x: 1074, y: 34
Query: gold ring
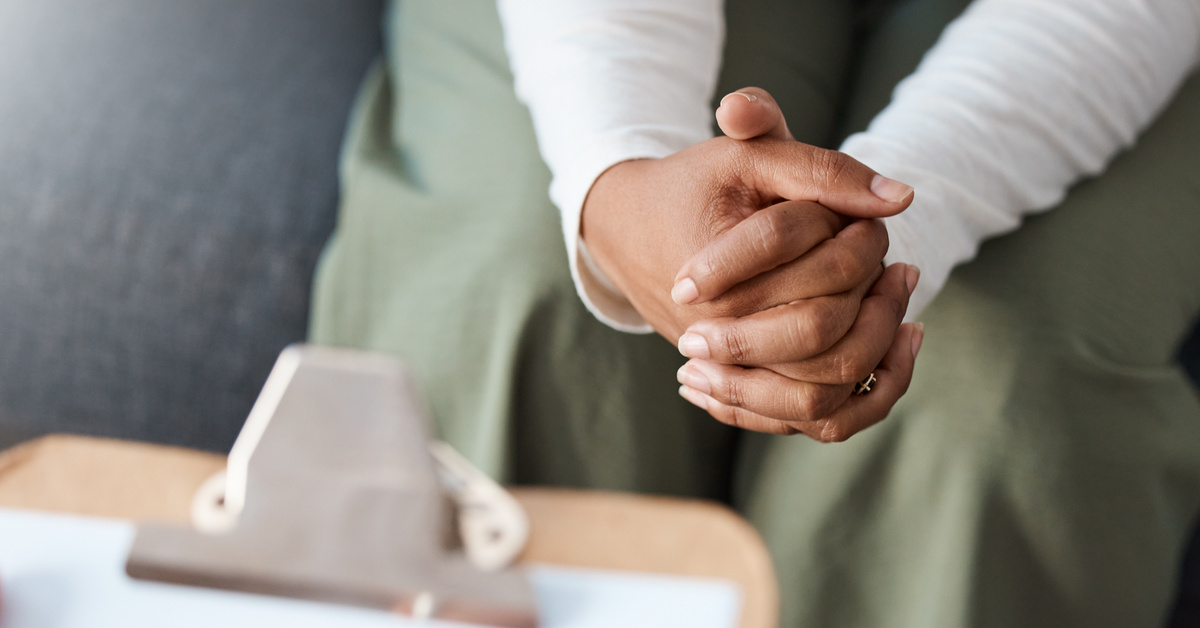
x: 864, y: 386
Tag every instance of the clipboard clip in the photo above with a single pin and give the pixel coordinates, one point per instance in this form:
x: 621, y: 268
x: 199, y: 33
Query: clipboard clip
x: 333, y: 491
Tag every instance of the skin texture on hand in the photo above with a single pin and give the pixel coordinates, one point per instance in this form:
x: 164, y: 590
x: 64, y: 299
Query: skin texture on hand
x: 779, y: 281
x: 793, y: 369
x: 814, y: 396
x: 642, y: 220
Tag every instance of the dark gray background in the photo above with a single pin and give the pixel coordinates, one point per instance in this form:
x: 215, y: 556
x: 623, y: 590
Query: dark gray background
x: 167, y: 180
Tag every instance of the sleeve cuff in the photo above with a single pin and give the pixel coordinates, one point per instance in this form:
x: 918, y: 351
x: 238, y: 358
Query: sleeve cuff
x: 568, y: 192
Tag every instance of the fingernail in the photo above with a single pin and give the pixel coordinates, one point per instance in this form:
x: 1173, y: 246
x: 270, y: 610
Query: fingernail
x: 693, y: 346
x: 749, y: 97
x: 911, y: 276
x: 890, y: 190
x: 917, y: 338
x: 696, y: 398
x: 685, y: 291
x: 691, y: 377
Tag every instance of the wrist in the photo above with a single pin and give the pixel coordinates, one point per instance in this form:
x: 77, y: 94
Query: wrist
x: 604, y: 221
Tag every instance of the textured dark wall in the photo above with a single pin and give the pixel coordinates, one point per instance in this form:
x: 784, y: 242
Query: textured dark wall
x: 167, y: 178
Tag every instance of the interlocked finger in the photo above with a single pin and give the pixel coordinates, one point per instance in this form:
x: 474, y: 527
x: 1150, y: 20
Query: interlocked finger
x: 893, y: 376
x: 839, y: 264
x: 855, y: 414
x: 853, y: 357
x: 766, y: 239
x: 739, y: 417
x: 785, y: 333
x: 763, y: 391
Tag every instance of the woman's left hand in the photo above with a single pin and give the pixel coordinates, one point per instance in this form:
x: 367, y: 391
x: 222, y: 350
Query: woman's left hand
x: 794, y: 368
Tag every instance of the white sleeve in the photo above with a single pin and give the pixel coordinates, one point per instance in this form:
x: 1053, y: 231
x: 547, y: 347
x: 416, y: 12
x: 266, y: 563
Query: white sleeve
x: 607, y: 81
x: 1018, y: 100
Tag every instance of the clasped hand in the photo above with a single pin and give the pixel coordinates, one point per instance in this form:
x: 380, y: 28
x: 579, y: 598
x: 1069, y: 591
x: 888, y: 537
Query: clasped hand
x: 761, y: 257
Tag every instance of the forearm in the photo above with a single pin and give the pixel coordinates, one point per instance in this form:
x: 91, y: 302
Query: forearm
x: 1016, y: 102
x: 605, y: 82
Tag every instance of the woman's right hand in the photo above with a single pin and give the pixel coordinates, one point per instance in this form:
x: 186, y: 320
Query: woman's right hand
x: 644, y: 219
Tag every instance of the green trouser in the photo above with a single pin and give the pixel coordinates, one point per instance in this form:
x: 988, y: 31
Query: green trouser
x: 1043, y: 469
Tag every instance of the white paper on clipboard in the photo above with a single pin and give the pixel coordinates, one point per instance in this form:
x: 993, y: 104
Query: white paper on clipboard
x: 59, y: 571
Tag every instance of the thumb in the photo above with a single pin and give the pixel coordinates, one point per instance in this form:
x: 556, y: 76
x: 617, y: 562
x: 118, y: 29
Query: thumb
x: 751, y: 112
x: 801, y: 172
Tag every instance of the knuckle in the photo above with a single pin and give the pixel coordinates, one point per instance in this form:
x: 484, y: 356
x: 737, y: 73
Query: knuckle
x: 800, y: 405
x: 832, y: 165
x: 796, y: 334
x: 735, y: 417
x: 716, y: 263
x: 819, y: 218
x: 807, y: 333
x: 818, y: 436
x: 852, y: 369
x: 735, y: 344
x: 781, y: 428
x: 893, y: 307
x: 741, y: 418
x: 834, y: 432
x: 825, y: 401
x: 823, y: 324
x: 734, y: 392
x: 844, y: 266
x: 860, y: 267
x: 881, y: 233
x: 722, y: 413
x: 770, y: 233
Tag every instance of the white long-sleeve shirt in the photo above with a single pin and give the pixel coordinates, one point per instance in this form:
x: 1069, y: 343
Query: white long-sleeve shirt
x: 1018, y: 100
